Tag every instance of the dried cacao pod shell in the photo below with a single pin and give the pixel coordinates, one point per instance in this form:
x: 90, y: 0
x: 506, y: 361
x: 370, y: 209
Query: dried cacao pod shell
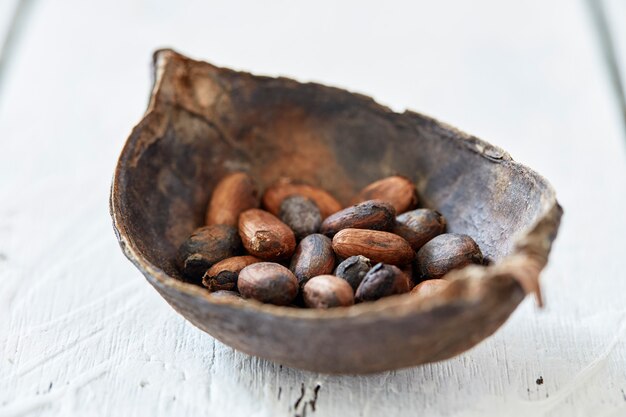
x: 202, y: 120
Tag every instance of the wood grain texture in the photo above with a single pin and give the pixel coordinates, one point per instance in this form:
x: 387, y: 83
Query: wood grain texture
x: 83, y: 334
x: 14, y: 16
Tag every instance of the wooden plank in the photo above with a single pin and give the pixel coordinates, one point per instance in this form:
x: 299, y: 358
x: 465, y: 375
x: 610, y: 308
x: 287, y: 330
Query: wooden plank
x: 610, y: 15
x: 14, y: 15
x: 7, y: 16
x: 82, y: 332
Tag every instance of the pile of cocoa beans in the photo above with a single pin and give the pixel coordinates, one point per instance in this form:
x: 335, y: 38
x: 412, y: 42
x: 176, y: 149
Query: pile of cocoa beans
x: 303, y: 249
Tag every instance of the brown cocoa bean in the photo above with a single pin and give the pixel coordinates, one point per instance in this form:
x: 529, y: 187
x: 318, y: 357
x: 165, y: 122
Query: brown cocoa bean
x: 301, y: 214
x: 265, y: 236
x: 268, y: 282
x: 206, y: 246
x: 372, y: 215
x: 381, y: 281
x: 419, y: 226
x: 285, y: 187
x: 429, y: 287
x: 376, y: 245
x: 231, y: 196
x: 326, y: 291
x: 353, y: 270
x: 223, y: 275
x: 446, y: 252
x: 314, y: 256
x: 398, y: 191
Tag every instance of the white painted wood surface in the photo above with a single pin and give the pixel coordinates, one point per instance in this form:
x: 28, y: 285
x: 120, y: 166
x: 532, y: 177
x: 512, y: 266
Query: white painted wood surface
x: 82, y: 333
x: 7, y: 13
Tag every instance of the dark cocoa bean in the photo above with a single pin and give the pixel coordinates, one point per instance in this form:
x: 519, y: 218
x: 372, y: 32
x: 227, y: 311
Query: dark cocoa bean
x: 301, y: 214
x: 285, y: 187
x: 223, y: 275
x: 419, y: 226
x: 268, y: 282
x: 372, y: 215
x: 314, y: 256
x: 446, y: 252
x: 381, y: 281
x: 205, y: 247
x: 353, y: 270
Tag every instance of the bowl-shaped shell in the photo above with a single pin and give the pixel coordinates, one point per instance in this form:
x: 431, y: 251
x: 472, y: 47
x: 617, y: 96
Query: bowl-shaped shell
x: 203, y: 122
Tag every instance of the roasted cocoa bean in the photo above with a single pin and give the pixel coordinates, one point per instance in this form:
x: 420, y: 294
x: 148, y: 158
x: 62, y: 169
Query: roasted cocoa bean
x: 285, y: 187
x: 446, y: 252
x: 265, y: 236
x: 223, y: 275
x: 419, y: 226
x: 268, y: 282
x: 233, y: 195
x: 206, y: 246
x: 314, y: 256
x: 372, y: 215
x: 376, y: 245
x: 398, y: 191
x: 353, y: 270
x: 381, y: 281
x: 301, y: 214
x: 326, y: 291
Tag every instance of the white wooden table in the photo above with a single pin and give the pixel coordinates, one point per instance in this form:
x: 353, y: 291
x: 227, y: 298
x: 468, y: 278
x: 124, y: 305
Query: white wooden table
x: 82, y: 333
